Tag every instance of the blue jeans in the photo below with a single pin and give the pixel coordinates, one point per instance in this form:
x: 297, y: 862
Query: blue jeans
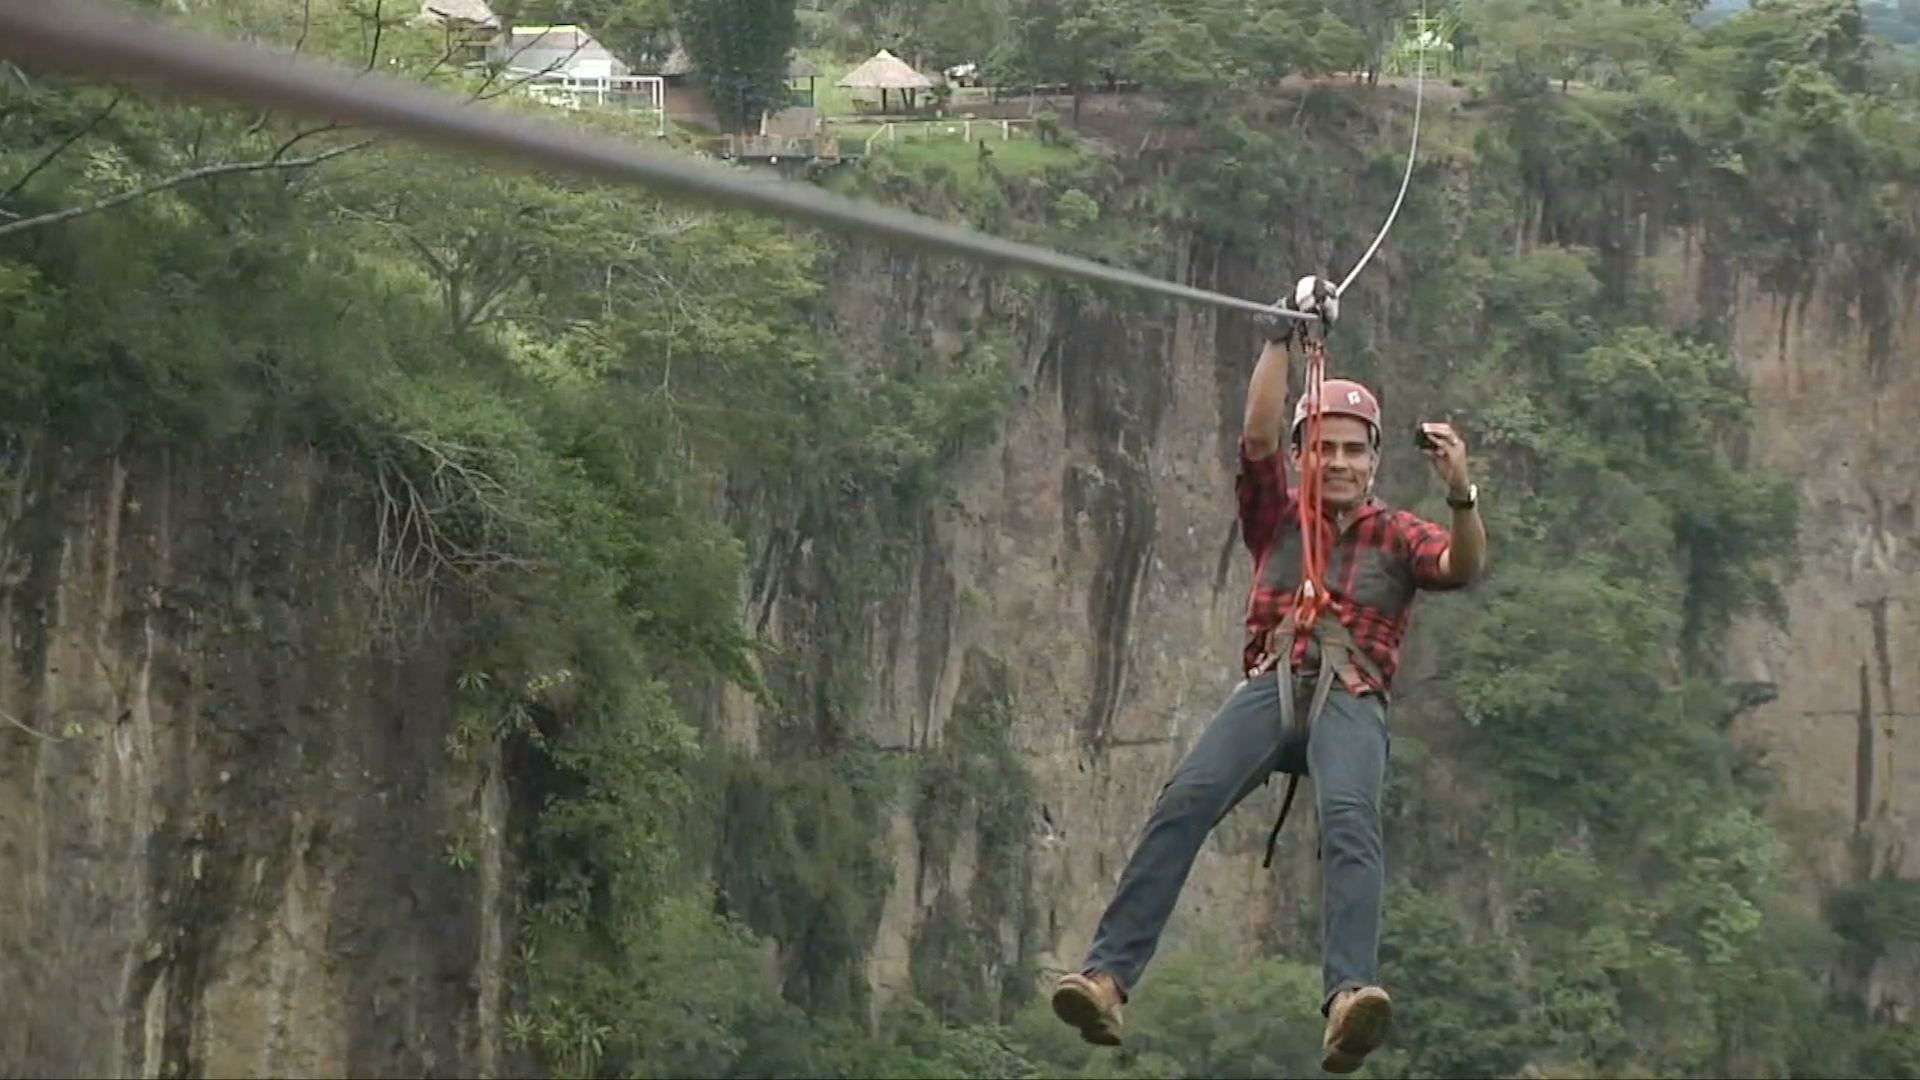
x: 1346, y: 755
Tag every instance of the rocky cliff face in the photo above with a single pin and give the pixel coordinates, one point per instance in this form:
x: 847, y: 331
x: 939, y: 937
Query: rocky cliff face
x: 1091, y: 552
x: 1839, y: 412
x: 223, y: 819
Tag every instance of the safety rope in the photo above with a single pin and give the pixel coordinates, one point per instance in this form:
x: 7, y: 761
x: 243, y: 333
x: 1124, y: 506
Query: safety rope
x: 84, y: 39
x: 1311, y: 598
x: 1413, y: 148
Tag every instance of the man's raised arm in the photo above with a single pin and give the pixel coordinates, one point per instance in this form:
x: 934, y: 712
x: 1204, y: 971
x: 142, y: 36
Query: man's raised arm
x: 1261, y: 487
x: 1266, y: 402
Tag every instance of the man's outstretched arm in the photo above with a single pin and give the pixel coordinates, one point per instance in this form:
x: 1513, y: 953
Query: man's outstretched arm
x: 1466, y: 556
x: 1466, y: 553
x: 1261, y: 487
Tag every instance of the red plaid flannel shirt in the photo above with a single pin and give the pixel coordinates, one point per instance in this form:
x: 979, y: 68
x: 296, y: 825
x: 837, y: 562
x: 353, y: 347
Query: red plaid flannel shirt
x: 1268, y: 505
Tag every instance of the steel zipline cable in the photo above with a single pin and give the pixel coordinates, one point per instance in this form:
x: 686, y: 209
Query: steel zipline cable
x: 82, y: 38
x: 1413, y: 147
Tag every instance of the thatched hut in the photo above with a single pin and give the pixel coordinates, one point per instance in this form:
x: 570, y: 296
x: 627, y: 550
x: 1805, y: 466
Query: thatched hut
x: 887, y: 73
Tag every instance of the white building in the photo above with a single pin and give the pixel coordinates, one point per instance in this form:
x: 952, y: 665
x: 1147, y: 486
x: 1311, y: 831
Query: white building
x: 560, y: 50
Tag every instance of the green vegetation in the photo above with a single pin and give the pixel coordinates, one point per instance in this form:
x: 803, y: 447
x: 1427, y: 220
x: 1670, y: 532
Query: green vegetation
x: 740, y: 49
x: 585, y: 424
x: 974, y: 790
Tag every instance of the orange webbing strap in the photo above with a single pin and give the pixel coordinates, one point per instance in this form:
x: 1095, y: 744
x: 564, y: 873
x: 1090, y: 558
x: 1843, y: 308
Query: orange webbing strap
x: 1312, y: 598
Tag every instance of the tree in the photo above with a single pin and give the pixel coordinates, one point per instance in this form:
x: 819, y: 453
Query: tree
x: 1070, y: 41
x: 926, y: 34
x: 741, y: 50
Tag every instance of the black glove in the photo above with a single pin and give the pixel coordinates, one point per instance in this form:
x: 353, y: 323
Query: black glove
x: 1274, y: 326
x: 1312, y: 295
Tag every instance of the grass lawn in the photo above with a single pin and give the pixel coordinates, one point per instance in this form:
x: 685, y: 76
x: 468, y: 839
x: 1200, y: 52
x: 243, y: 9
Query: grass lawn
x: 1017, y: 157
x: 828, y: 97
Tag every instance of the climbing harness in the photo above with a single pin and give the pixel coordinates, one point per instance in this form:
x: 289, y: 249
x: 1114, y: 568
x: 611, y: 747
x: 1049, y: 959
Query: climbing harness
x: 1336, y: 647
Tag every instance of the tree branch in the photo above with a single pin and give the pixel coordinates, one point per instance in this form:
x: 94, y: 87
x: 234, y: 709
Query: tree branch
x: 298, y: 137
x: 426, y: 253
x: 379, y: 26
x: 306, y: 25
x: 446, y: 54
x: 207, y: 172
x: 35, y: 732
x: 481, y: 94
x: 65, y: 144
x: 372, y: 61
x: 492, y: 290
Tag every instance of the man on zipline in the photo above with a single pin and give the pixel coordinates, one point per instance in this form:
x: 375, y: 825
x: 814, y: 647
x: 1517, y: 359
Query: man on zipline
x: 1332, y: 722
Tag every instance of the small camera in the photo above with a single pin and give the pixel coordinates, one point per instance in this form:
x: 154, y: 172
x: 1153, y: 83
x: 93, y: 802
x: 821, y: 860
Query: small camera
x: 1423, y: 440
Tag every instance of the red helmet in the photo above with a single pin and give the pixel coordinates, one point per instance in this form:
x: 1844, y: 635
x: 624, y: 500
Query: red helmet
x: 1343, y: 397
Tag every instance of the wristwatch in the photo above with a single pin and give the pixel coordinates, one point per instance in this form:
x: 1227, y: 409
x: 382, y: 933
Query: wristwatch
x: 1468, y: 503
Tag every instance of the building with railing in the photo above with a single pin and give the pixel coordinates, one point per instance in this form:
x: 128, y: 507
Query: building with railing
x: 566, y: 49
x: 566, y: 90
x: 566, y: 67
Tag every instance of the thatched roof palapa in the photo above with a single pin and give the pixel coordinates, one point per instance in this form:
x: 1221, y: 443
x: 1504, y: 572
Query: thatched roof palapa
x: 885, y: 71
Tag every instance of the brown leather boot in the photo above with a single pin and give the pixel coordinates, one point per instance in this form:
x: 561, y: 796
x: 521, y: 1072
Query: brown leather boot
x: 1090, y: 1003
x: 1357, y: 1024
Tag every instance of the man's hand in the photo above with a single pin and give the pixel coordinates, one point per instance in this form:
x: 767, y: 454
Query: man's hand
x: 1312, y: 296
x: 1274, y: 326
x: 1466, y: 554
x: 1448, y: 458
